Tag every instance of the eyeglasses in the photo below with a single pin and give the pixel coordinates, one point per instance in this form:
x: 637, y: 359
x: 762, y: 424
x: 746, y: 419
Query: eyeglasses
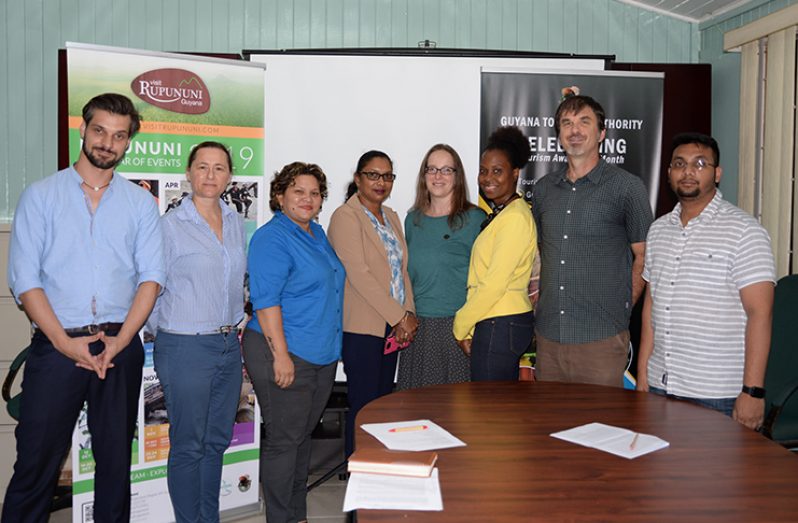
x: 446, y: 171
x: 374, y: 176
x: 698, y: 165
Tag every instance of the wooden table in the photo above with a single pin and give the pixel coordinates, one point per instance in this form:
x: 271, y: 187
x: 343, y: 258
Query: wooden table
x: 511, y: 469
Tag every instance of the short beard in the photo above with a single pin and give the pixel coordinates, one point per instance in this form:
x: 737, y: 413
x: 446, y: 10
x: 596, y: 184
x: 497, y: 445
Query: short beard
x: 688, y: 194
x: 96, y: 162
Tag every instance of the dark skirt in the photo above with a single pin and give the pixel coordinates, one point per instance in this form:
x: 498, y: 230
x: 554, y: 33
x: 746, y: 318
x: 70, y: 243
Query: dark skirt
x: 434, y: 356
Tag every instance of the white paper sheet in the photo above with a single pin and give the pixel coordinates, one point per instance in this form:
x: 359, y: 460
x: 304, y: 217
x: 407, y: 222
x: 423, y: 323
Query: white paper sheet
x: 419, y: 434
x: 615, y: 440
x: 381, y: 491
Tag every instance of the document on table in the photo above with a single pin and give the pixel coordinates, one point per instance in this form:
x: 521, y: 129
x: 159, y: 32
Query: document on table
x: 419, y: 434
x: 615, y: 440
x: 381, y: 491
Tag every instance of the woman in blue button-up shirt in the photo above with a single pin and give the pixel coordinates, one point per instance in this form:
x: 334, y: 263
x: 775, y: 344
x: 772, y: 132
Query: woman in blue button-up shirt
x: 197, y: 354
x: 292, y: 345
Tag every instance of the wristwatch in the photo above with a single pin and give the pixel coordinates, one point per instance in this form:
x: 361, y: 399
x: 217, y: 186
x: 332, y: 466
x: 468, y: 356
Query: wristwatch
x: 754, y: 392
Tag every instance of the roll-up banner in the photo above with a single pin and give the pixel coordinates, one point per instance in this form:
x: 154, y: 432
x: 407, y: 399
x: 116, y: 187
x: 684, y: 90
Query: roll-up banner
x: 632, y: 103
x: 183, y: 100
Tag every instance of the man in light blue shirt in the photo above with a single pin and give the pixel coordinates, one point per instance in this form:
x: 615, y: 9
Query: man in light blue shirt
x: 86, y: 264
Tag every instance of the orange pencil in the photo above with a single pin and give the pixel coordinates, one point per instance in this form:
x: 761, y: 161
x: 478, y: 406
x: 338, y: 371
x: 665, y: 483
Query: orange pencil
x: 412, y: 428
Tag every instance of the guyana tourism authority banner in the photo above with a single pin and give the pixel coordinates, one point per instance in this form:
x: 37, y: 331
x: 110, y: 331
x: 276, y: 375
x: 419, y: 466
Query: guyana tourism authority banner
x: 183, y: 101
x: 632, y: 103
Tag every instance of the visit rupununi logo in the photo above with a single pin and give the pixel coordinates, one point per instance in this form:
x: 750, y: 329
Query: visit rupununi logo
x: 175, y: 90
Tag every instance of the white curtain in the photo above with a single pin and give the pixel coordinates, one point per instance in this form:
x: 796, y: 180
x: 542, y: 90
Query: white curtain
x: 768, y: 145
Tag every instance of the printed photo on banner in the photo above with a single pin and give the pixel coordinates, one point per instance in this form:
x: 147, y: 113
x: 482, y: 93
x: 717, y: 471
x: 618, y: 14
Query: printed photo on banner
x: 242, y: 196
x: 149, y: 185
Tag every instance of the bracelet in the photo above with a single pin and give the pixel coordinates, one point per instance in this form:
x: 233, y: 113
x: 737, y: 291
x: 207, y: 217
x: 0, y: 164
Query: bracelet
x: 399, y: 323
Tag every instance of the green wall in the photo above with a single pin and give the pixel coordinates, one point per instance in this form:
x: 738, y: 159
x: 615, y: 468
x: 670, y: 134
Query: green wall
x: 31, y: 32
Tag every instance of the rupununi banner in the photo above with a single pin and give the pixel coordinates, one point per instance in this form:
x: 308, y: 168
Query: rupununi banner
x: 632, y: 103
x: 183, y: 101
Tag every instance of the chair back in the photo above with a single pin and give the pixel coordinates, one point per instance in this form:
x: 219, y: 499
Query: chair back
x: 781, y: 379
x: 12, y: 403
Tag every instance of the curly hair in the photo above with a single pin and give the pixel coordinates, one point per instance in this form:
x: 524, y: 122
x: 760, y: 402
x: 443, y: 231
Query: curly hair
x: 286, y: 177
x: 512, y: 142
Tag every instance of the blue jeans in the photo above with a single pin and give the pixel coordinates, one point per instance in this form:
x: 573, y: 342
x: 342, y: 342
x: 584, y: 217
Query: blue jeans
x: 201, y: 380
x: 722, y: 405
x: 498, y: 344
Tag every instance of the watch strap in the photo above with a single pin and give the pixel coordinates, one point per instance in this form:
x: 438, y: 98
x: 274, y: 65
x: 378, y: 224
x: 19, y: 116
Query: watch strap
x: 754, y: 392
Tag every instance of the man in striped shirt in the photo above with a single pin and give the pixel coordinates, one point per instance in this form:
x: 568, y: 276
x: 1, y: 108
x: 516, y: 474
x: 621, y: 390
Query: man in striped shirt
x: 709, y: 299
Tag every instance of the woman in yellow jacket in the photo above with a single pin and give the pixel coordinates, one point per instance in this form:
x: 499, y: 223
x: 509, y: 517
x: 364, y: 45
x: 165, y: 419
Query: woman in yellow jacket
x: 496, y: 323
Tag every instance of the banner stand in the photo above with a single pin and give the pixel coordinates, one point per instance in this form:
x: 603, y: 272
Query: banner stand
x: 184, y: 100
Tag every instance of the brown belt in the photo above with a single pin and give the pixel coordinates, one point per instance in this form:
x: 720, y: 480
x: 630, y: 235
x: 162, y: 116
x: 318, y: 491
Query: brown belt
x: 88, y: 330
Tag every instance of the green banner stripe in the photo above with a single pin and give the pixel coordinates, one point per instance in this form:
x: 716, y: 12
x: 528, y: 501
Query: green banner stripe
x: 242, y: 455
x: 136, y: 476
x: 168, y: 153
x: 81, y: 487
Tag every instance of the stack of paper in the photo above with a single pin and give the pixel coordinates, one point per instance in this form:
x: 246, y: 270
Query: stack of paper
x: 381, y: 491
x: 389, y: 488
x: 615, y: 440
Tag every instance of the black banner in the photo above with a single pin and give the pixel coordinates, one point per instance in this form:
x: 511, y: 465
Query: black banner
x: 632, y: 103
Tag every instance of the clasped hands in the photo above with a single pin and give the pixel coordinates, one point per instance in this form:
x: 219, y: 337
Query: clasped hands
x: 77, y: 349
x: 406, y: 329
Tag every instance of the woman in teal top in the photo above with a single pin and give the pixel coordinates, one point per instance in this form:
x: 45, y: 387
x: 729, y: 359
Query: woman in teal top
x: 440, y: 230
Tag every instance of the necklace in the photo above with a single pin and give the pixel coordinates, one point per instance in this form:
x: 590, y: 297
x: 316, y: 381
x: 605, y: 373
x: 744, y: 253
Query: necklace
x: 95, y: 187
x: 497, y: 210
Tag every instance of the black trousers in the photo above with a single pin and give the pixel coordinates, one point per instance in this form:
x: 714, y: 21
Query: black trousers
x: 53, y: 392
x: 289, y: 417
x: 369, y: 375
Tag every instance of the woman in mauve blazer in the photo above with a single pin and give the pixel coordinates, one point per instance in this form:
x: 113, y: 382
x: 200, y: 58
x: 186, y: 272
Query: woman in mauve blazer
x: 378, y: 298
